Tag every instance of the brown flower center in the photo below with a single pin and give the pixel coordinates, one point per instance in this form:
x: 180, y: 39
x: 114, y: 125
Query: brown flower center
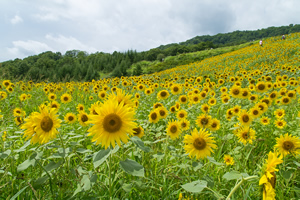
x: 173, y: 129
x: 112, y: 123
x: 46, y: 124
x: 199, y: 143
x: 288, y: 145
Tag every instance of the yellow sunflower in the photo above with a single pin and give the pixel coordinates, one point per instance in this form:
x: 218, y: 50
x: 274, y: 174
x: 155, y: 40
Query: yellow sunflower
x: 173, y: 129
x: 265, y: 120
x: 199, y: 144
x: 203, y: 121
x: 288, y: 144
x: 181, y: 114
x: 205, y: 108
x: 70, y: 118
x: 246, y: 135
x: 163, y: 94
x: 184, y: 124
x: 154, y: 116
x: 139, y: 131
x: 279, y: 113
x: 111, y: 126
x: 214, y: 124
x: 183, y: 99
x: 228, y: 159
x: 163, y: 112
x: 280, y: 123
x: 44, y: 124
x: 245, y: 118
x: 83, y: 118
x: 66, y: 98
x: 80, y: 107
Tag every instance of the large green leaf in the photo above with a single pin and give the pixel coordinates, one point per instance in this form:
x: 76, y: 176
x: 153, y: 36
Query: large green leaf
x: 100, y: 157
x: 195, y: 186
x: 140, y: 144
x: 5, y: 154
x: 27, y: 163
x: 232, y: 175
x: 132, y: 167
x: 18, y: 193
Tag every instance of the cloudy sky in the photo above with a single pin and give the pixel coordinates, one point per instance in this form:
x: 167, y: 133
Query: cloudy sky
x: 30, y: 27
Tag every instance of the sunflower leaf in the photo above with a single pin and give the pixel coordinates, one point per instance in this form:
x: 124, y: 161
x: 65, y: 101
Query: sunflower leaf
x: 100, y: 157
x: 5, y: 154
x: 140, y: 144
x: 132, y: 167
x: 232, y: 175
x: 195, y: 186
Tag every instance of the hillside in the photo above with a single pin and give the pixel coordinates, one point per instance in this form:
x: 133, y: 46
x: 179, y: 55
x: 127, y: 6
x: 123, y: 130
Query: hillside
x: 78, y: 65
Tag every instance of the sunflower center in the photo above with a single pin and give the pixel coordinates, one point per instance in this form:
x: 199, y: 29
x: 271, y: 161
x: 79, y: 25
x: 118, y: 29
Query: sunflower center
x: 214, y: 125
x: 163, y: 94
x: 204, y: 121
x: 236, y: 92
x: 183, y: 124
x: 84, y: 118
x: 136, y: 131
x: 255, y: 112
x: 175, y: 89
x: 183, y: 99
x: 46, y: 124
x: 280, y: 124
x: 245, y: 135
x: 66, y: 98
x: 288, y: 145
x: 181, y: 115
x: 273, y: 95
x: 199, y: 143
x: 162, y: 113
x: 245, y: 118
x: 173, y: 129
x: 71, y: 118
x: 153, y: 116
x: 112, y: 123
x: 286, y: 100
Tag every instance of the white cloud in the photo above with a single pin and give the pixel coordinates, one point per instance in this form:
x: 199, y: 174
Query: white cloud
x: 29, y: 47
x: 16, y: 19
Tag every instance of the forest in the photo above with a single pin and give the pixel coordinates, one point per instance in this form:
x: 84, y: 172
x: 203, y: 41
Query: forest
x: 77, y: 65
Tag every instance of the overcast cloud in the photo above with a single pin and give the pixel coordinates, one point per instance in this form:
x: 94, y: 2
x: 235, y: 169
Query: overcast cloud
x: 30, y: 27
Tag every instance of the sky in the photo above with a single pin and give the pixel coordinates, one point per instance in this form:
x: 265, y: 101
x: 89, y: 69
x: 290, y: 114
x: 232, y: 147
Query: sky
x: 30, y: 27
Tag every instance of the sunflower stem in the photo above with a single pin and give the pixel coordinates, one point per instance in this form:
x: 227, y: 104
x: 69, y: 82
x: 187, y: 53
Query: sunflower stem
x: 109, y: 179
x: 238, y: 185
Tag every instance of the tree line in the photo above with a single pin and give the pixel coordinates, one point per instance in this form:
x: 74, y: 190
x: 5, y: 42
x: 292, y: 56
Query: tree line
x: 76, y: 65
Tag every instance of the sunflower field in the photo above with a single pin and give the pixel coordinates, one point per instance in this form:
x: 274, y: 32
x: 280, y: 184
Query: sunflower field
x: 223, y: 128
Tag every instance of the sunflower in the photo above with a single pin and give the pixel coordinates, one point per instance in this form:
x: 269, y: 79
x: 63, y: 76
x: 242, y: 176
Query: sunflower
x: 157, y: 105
x: 235, y: 91
x: 246, y: 135
x: 181, y: 114
x: 80, y: 107
x: 229, y: 114
x: 280, y: 123
x: 9, y: 89
x: 203, y: 121
x: 154, y: 116
x: 139, y: 131
x: 265, y: 120
x: 176, y: 89
x: 184, y: 124
x: 205, y: 108
x: 199, y: 144
x: 121, y: 96
x: 254, y: 112
x: 183, y: 99
x: 288, y: 144
x: 172, y: 109
x: 54, y: 104
x: 261, y: 87
x: 291, y: 94
x: 18, y: 112
x: 253, y: 97
x: 163, y: 112
x: 245, y: 118
x: 268, y: 178
x: 44, y: 124
x: 279, y: 113
x: 52, y: 96
x: 195, y: 98
x: 245, y: 93
x: 111, y: 126
x: 173, y: 129
x: 23, y: 97
x: 214, y: 125
x: 92, y: 109
x: 102, y: 94
x: 236, y: 110
x: 285, y: 100
x: 19, y: 120
x: 83, y: 118
x: 225, y: 99
x: 212, y: 101
x: 148, y: 91
x: 263, y: 107
x: 273, y: 95
x: 66, y: 98
x: 228, y: 159
x: 70, y: 118
x: 163, y: 94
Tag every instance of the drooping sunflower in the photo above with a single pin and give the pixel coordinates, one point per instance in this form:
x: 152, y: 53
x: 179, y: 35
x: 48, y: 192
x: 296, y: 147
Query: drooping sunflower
x: 19, y: 120
x: 111, y: 126
x: 228, y: 159
x: 139, y: 131
x: 173, y: 129
x: 288, y: 144
x: 199, y: 144
x: 246, y: 135
x: 66, y: 98
x: 70, y: 118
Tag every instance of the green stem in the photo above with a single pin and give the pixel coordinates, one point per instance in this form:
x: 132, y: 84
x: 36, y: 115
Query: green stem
x: 238, y: 185
x: 109, y: 179
x: 50, y: 180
